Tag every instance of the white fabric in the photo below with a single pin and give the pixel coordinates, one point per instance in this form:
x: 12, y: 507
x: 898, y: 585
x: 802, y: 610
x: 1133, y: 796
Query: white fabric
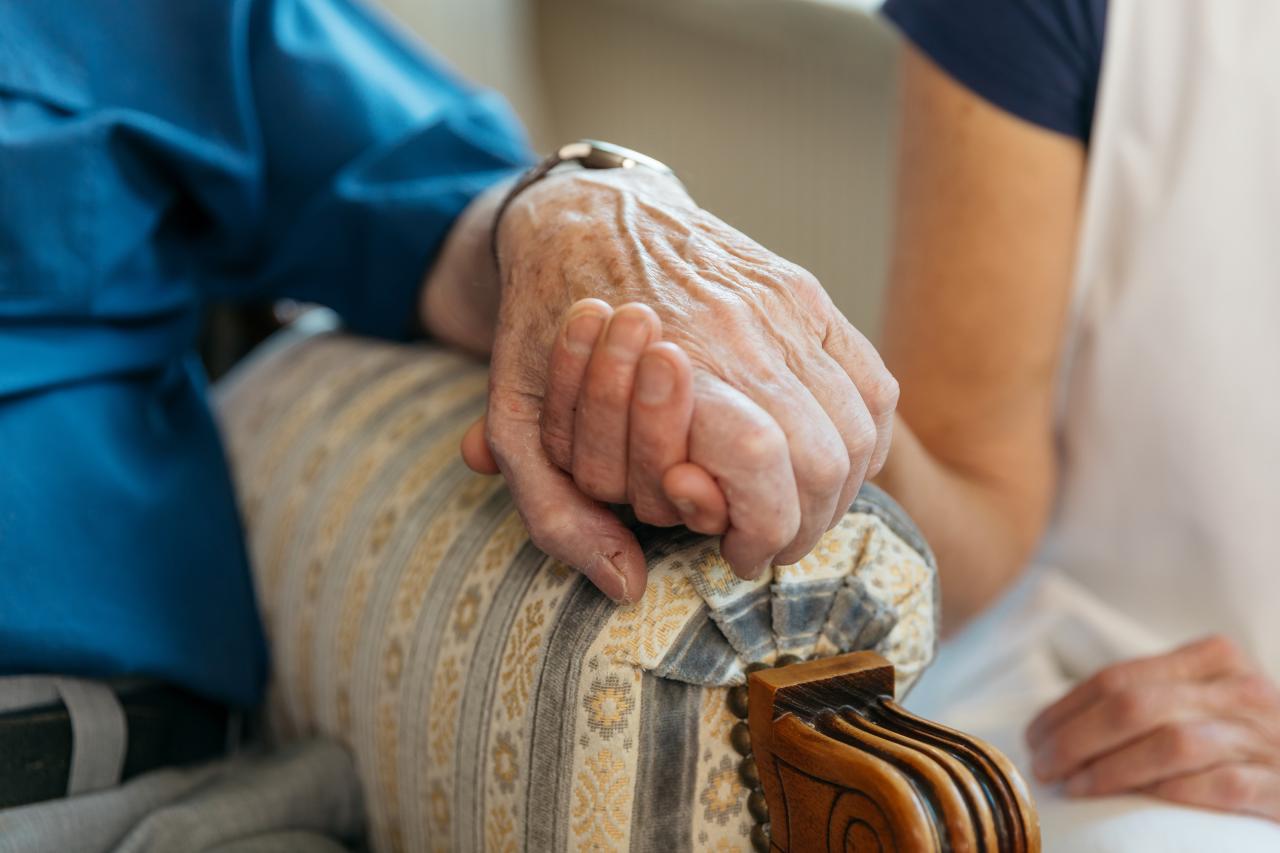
x: 1170, y: 412
x: 304, y: 798
x: 1000, y: 671
x: 99, y: 735
x: 1171, y: 418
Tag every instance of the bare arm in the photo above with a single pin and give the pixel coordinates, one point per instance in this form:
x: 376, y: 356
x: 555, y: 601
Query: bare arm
x: 977, y: 308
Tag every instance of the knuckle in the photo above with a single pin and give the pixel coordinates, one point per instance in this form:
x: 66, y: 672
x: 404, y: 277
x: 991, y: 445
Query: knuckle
x: 822, y: 471
x: 882, y: 393
x: 608, y: 389
x: 804, y: 282
x: 1221, y: 647
x: 547, y: 528
x: 862, y: 439
x: 558, y: 443
x: 1180, y: 742
x: 1234, y: 785
x: 774, y: 538
x: 759, y: 445
x: 1257, y: 690
x: 1111, y: 682
x: 1128, y: 707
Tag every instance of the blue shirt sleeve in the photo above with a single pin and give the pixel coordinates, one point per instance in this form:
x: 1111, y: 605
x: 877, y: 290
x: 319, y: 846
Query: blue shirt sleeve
x: 369, y: 150
x: 1037, y: 59
x: 154, y: 154
x: 157, y: 153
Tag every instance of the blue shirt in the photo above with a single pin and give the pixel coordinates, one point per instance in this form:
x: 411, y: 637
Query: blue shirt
x: 154, y: 154
x: 1037, y: 59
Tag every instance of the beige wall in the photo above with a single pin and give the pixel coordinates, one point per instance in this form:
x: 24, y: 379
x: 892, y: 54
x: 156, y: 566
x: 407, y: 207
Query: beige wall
x: 491, y: 42
x: 777, y: 113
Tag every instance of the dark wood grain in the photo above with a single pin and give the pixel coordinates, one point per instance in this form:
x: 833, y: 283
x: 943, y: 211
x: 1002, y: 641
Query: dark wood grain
x: 845, y: 768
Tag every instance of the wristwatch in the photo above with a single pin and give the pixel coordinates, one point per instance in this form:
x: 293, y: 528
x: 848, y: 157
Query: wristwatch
x: 590, y: 154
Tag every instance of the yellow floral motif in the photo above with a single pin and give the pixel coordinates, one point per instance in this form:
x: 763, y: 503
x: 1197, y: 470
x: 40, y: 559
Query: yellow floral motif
x: 505, y: 767
x: 600, y: 803
x: 716, y: 576
x: 444, y: 695
x: 608, y: 704
x: 717, y: 719
x: 311, y: 467
x: 501, y: 833
x: 381, y: 530
x: 830, y: 548
x: 644, y: 630
x: 722, y: 797
x: 440, y: 807
x: 314, y: 570
x: 393, y: 664
x: 405, y: 423
x: 521, y: 659
x: 465, y: 612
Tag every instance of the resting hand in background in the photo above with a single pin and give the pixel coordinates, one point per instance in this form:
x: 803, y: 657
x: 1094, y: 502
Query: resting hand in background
x: 782, y: 403
x: 1199, y: 725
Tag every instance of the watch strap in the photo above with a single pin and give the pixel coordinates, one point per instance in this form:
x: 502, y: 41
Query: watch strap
x: 591, y: 154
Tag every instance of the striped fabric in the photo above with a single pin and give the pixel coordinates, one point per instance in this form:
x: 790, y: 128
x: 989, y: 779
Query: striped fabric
x: 492, y: 698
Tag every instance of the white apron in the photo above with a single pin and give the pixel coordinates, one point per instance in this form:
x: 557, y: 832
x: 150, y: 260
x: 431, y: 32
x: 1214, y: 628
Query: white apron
x: 1168, y: 519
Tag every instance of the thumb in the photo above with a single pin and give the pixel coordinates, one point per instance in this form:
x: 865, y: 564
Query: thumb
x: 562, y: 521
x: 475, y: 449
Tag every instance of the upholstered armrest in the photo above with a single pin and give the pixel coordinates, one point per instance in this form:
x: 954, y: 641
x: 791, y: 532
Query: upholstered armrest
x: 493, y: 699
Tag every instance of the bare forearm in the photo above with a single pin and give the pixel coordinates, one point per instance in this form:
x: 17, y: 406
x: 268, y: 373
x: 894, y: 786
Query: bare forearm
x: 460, y: 294
x: 977, y: 529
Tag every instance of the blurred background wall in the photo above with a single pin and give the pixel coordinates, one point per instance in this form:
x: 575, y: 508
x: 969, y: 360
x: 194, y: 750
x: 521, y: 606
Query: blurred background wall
x: 778, y: 114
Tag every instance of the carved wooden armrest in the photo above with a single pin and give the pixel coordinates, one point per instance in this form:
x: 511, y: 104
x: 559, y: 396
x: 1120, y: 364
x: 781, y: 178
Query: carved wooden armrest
x: 845, y: 768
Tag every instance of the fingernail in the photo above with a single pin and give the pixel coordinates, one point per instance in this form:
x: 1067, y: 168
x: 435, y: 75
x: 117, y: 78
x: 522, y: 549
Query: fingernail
x: 1078, y: 784
x: 581, y: 332
x: 685, y: 507
x: 655, y: 381
x: 604, y: 567
x: 628, y: 334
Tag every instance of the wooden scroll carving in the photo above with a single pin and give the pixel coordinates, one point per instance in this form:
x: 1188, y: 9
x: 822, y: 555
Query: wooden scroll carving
x: 845, y: 768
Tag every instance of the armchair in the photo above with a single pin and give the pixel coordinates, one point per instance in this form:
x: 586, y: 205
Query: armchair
x: 494, y: 700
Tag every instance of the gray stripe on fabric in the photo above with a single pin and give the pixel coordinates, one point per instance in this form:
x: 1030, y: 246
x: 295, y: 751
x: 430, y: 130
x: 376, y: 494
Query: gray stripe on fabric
x: 580, y: 620
x: 747, y: 624
x: 800, y: 610
x: 351, y: 540
x: 700, y: 655
x: 858, y: 621
x: 666, y: 775
x: 480, y: 692
x: 423, y: 657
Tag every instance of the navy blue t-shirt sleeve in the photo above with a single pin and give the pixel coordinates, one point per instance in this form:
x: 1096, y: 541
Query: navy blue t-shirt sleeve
x: 1038, y: 59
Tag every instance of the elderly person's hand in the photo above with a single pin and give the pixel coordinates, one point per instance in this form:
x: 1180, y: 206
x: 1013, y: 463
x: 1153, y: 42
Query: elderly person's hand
x: 1199, y: 725
x: 780, y: 404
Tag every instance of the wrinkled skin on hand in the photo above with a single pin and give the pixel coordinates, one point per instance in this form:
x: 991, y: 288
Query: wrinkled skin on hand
x: 1199, y: 725
x: 750, y: 372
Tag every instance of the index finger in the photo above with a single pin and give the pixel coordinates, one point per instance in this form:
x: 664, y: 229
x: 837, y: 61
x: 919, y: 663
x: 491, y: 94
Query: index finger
x: 1201, y: 660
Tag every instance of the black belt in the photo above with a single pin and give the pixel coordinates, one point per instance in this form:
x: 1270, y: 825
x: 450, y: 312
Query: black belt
x: 165, y: 727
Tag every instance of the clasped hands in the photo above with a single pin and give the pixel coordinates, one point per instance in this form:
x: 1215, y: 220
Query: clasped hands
x: 648, y: 354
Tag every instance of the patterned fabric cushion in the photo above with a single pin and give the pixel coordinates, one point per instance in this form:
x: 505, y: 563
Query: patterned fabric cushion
x: 493, y: 699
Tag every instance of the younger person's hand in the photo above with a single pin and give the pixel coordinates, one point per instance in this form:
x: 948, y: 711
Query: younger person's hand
x: 1199, y: 725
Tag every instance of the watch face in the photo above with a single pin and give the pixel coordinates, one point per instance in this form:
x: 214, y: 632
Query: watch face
x: 606, y: 155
